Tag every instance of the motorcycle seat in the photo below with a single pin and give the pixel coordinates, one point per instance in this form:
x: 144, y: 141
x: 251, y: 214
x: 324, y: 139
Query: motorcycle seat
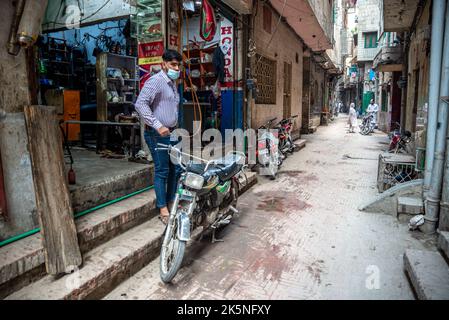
x: 225, y: 168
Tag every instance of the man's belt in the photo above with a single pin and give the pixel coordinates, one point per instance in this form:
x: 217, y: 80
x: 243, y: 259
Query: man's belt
x: 171, y: 129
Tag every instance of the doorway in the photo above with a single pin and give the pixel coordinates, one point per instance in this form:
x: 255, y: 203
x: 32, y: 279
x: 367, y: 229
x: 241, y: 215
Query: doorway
x: 287, y: 101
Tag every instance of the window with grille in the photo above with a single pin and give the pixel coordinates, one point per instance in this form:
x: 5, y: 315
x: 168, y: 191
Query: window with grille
x: 370, y: 39
x: 265, y: 73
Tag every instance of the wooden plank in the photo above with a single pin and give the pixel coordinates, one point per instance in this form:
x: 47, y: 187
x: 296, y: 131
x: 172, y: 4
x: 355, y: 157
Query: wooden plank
x: 102, y: 82
x: 3, y: 207
x: 60, y: 241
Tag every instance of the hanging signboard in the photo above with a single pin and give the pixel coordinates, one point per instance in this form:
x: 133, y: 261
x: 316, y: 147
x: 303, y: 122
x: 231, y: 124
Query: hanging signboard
x: 227, y: 46
x: 150, y: 59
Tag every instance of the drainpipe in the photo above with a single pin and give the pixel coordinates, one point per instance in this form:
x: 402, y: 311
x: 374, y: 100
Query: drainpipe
x: 438, y: 9
x: 13, y: 46
x: 434, y: 196
x: 444, y: 204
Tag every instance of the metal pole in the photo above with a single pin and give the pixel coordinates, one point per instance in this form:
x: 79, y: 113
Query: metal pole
x: 434, y: 196
x: 434, y: 87
x: 404, y: 77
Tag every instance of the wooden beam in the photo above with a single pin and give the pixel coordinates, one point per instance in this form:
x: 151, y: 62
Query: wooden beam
x: 3, y: 206
x: 60, y: 241
x: 389, y: 67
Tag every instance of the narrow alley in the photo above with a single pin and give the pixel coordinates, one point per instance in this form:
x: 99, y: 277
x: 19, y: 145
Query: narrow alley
x: 224, y: 150
x: 300, y: 236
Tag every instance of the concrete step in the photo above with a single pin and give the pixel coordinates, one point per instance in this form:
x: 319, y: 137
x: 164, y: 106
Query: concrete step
x: 103, y: 266
x: 409, y: 206
x: 443, y: 243
x: 428, y: 273
x: 22, y: 262
x: 300, y: 144
x: 313, y: 129
x: 111, y: 182
x: 107, y: 265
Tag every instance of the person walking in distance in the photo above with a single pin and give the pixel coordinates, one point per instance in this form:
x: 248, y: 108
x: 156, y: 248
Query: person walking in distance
x: 157, y: 105
x: 352, y: 120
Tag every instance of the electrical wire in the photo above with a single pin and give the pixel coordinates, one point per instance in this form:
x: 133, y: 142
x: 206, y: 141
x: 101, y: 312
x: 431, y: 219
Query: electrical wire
x: 81, y: 20
x: 275, y: 29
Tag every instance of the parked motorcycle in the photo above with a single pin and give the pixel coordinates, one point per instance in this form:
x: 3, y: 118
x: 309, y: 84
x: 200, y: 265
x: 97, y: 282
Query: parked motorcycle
x: 367, y: 126
x: 285, y: 128
x: 268, y: 149
x: 399, y: 140
x: 206, y: 199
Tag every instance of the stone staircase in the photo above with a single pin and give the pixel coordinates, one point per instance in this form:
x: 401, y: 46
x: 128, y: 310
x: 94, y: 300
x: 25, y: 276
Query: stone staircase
x: 428, y: 271
x: 116, y: 241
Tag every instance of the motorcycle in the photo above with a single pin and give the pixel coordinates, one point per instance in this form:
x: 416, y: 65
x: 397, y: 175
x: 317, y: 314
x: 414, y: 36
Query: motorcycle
x: 268, y: 149
x: 285, y: 128
x: 206, y: 199
x: 399, y: 140
x: 367, y: 126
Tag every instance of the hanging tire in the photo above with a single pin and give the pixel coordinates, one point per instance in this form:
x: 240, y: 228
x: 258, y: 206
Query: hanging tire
x: 172, y: 254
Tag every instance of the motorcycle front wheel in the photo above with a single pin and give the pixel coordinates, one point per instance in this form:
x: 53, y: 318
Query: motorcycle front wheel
x: 172, y: 253
x: 365, y: 130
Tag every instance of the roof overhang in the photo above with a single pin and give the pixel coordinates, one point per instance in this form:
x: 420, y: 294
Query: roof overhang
x: 389, y: 67
x: 240, y: 6
x: 398, y: 15
x: 301, y: 17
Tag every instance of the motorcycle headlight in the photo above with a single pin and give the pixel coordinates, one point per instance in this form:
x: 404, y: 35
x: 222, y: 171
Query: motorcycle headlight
x: 194, y: 181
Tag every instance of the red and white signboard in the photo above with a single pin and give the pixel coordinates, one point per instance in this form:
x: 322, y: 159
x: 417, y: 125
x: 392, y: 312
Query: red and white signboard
x: 227, y: 45
x: 150, y: 59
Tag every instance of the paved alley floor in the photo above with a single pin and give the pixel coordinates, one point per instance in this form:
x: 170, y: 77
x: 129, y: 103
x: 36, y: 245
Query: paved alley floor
x: 300, y: 236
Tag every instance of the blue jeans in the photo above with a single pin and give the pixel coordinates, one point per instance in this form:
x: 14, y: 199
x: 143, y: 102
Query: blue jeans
x: 166, y: 173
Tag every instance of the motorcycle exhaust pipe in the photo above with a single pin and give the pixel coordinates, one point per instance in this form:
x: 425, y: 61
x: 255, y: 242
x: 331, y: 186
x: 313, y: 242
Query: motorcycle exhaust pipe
x: 233, y: 209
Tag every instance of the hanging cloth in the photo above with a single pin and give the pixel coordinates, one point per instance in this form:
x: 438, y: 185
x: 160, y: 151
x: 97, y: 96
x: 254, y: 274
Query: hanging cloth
x: 218, y: 61
x: 207, y: 21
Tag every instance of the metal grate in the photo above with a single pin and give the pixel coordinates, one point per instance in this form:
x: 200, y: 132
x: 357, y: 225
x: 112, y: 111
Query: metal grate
x: 394, y: 169
x: 265, y: 73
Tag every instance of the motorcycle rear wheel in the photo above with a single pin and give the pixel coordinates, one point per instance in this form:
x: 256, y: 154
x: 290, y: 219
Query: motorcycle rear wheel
x: 171, y: 257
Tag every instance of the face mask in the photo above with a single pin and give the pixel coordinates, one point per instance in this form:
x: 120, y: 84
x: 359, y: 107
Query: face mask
x: 172, y: 74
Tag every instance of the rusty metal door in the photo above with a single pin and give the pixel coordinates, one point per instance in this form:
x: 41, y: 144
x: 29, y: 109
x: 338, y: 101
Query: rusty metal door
x: 287, y: 101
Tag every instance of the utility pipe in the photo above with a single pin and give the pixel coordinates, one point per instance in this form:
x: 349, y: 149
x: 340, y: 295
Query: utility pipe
x: 444, y: 204
x: 13, y: 46
x: 438, y: 9
x: 434, y: 196
x: 76, y: 216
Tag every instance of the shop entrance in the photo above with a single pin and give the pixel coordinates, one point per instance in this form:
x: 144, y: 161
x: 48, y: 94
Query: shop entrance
x: 210, y: 94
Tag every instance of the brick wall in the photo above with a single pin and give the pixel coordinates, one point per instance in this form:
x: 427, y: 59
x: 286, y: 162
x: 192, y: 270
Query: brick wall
x: 285, y: 47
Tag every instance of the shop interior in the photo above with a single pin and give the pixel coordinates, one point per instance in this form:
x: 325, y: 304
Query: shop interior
x: 92, y: 74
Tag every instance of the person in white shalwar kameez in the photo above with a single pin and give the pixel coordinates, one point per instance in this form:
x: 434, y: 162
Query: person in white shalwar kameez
x: 352, y: 121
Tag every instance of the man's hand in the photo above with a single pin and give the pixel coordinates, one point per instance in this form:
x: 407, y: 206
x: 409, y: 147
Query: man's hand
x: 163, y: 131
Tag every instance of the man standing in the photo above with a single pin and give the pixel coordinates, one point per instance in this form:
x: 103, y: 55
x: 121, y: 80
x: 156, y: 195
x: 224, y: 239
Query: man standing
x: 373, y: 108
x: 157, y: 106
